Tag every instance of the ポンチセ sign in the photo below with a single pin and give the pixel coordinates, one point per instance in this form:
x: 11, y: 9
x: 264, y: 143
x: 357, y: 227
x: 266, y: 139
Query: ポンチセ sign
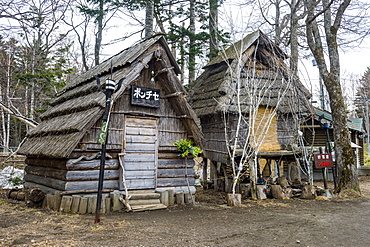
x: 145, y: 96
x: 323, y: 160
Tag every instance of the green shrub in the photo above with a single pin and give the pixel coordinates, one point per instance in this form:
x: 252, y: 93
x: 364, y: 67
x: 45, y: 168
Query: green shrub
x: 186, y: 147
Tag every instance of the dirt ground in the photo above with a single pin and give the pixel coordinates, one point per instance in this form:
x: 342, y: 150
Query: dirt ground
x: 337, y: 222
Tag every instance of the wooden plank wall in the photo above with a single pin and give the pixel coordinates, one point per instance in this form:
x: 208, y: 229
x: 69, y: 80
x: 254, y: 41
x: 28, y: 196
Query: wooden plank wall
x: 214, y: 137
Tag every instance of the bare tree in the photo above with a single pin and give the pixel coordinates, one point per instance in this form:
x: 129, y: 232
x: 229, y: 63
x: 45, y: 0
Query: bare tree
x: 213, y: 29
x: 332, y: 14
x: 149, y: 18
x: 80, y: 29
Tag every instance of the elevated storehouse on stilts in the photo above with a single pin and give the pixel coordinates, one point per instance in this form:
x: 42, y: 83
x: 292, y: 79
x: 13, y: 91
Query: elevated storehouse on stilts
x: 250, y: 108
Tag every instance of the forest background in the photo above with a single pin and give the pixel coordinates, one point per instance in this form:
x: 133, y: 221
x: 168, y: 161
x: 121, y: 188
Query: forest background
x: 44, y: 44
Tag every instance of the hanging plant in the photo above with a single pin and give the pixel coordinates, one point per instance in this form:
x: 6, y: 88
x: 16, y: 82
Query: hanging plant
x: 186, y: 147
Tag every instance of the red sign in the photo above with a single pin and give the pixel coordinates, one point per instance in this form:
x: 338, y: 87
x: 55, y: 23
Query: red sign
x: 323, y: 160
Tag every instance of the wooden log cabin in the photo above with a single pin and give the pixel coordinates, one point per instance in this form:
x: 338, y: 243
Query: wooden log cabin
x: 317, y: 136
x: 247, y: 99
x: 149, y: 113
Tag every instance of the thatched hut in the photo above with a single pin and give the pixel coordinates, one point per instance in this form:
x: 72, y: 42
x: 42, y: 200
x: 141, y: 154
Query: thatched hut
x: 249, y: 86
x: 149, y: 113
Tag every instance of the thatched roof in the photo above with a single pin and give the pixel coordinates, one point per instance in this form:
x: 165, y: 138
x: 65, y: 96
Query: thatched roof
x: 253, y: 69
x: 80, y: 104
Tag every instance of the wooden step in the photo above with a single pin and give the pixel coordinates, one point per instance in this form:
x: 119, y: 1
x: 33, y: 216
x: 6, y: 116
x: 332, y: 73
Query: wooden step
x: 138, y: 208
x: 144, y: 196
x: 144, y: 202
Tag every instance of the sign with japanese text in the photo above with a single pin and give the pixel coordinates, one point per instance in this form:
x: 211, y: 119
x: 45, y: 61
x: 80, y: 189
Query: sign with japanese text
x: 145, y: 96
x: 323, y: 160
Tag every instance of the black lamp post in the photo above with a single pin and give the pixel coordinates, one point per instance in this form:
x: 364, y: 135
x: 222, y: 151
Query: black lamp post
x: 110, y: 86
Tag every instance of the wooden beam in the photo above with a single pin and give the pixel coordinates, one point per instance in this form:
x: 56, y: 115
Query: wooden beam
x: 172, y: 95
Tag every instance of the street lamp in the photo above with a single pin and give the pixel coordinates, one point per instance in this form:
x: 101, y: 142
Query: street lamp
x: 110, y: 86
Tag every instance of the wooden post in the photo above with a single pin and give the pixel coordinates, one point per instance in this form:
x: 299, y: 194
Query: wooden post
x: 270, y: 167
x: 226, y: 179
x: 102, y: 206
x: 214, y: 175
x: 91, y: 204
x: 57, y: 201
x: 83, y: 205
x: 171, y: 197
x: 108, y: 205
x: 189, y: 199
x: 253, y: 179
x: 180, y: 198
x: 50, y: 201
x: 75, y: 204
x: 277, y: 164
x: 117, y: 205
x: 205, y: 175
x: 65, y: 205
x: 164, y: 197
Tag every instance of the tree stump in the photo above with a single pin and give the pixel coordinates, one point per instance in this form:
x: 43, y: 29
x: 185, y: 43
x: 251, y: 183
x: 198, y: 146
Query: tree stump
x: 180, y: 200
x: 295, y: 172
x: 234, y: 200
x: 261, y: 194
x: 277, y: 192
x: 36, y: 195
x: 171, y: 197
x: 283, y: 182
x: 308, y: 192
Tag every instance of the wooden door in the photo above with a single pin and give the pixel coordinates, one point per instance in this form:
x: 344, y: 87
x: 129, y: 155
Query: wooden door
x: 140, y: 154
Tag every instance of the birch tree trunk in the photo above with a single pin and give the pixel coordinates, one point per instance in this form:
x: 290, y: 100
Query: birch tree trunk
x: 346, y: 169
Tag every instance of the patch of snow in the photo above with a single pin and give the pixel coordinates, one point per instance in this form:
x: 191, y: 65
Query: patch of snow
x: 9, y: 173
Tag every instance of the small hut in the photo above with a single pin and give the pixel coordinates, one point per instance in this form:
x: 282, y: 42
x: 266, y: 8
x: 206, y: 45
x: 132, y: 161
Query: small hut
x: 318, y: 135
x: 248, y: 101
x: 149, y: 113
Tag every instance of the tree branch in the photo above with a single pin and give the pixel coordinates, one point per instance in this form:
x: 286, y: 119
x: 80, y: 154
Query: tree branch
x: 21, y: 118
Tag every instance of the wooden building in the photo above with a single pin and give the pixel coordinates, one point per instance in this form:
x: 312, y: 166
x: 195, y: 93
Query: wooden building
x: 248, y: 85
x: 149, y: 113
x: 318, y: 133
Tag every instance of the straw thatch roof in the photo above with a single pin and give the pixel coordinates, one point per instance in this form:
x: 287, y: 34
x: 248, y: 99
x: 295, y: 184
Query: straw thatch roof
x: 253, y: 71
x: 80, y: 104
